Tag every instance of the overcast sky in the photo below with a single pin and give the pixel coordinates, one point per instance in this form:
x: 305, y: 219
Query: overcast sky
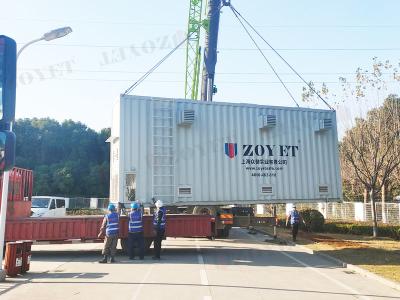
x: 80, y: 76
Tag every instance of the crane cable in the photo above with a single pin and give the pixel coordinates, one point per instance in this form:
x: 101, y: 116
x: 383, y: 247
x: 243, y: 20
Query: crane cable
x: 238, y: 14
x: 262, y: 53
x: 147, y: 74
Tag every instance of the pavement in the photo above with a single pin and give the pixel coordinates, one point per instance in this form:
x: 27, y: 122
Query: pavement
x: 241, y: 267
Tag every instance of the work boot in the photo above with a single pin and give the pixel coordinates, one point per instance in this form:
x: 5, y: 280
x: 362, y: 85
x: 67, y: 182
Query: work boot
x: 112, y: 260
x: 104, y: 260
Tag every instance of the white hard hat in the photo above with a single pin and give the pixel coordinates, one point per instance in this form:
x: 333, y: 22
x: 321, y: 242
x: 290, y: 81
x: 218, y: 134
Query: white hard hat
x: 159, y: 204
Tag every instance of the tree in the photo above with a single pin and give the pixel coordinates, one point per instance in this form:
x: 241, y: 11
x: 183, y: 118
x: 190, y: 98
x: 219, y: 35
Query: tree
x: 369, y: 150
x: 372, y: 147
x: 68, y: 158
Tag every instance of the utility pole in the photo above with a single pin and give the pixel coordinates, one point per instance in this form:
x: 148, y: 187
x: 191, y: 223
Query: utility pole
x: 210, y: 50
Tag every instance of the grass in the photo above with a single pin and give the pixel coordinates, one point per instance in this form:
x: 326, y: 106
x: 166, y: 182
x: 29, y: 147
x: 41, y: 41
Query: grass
x: 380, y: 256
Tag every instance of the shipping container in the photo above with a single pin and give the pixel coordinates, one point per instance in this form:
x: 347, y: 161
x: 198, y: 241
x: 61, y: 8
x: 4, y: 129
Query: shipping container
x: 215, y: 153
x: 20, y: 187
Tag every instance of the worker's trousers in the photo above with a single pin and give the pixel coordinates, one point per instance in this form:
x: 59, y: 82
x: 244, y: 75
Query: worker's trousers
x: 157, y: 242
x: 136, y: 240
x: 110, y: 245
x: 295, y: 230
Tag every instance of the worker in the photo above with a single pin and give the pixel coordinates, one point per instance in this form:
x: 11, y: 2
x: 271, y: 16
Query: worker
x: 135, y: 228
x: 295, y: 218
x: 159, y: 221
x: 110, y: 226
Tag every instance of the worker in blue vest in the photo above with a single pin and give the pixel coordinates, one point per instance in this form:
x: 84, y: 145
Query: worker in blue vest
x: 159, y: 222
x: 110, y: 227
x: 135, y: 228
x: 295, y: 218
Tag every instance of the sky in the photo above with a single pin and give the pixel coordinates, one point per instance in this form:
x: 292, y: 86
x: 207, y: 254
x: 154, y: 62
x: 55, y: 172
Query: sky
x: 80, y: 76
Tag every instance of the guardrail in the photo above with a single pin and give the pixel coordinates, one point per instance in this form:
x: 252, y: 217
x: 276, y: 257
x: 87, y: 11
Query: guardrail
x: 246, y: 221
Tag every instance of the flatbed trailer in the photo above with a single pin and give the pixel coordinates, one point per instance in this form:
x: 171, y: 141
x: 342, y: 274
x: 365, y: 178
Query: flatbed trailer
x: 86, y: 228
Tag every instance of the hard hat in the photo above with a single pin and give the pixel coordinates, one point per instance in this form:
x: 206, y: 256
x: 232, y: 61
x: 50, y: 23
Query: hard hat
x: 111, y: 207
x: 135, y: 205
x: 159, y: 204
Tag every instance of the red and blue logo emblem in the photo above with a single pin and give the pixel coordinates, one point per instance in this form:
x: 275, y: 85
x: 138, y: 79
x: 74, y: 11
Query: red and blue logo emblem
x: 231, y: 149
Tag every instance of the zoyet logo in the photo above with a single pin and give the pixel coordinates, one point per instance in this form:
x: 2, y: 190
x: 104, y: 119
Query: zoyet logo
x: 231, y: 149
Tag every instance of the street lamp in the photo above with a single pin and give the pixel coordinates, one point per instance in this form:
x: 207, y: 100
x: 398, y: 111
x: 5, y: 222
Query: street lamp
x: 48, y: 36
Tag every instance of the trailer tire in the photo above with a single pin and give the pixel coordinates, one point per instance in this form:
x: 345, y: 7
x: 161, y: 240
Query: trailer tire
x: 223, y: 233
x: 205, y: 210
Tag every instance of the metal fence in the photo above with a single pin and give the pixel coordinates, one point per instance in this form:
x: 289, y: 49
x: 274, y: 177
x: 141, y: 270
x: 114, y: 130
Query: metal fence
x: 246, y: 221
x: 80, y: 202
x: 345, y: 211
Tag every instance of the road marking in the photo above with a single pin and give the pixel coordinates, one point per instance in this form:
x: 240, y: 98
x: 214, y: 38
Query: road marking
x: 139, y: 288
x: 77, y: 276
x: 200, y: 259
x: 348, y: 288
x: 203, y: 273
x: 203, y: 277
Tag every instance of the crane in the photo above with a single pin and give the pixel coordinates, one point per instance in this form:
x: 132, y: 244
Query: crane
x: 193, y: 49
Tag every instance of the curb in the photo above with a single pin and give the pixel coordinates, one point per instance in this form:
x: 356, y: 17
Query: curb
x: 343, y: 264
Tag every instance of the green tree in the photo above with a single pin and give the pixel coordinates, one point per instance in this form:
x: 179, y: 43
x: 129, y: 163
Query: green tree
x: 67, y: 158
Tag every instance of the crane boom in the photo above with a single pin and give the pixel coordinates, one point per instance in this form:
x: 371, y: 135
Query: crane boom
x: 193, y: 50
x: 210, y: 50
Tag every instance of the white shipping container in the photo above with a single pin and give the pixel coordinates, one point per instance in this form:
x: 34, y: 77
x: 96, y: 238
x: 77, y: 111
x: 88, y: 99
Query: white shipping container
x: 191, y: 152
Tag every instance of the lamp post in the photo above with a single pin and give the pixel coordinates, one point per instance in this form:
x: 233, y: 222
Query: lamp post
x: 49, y: 36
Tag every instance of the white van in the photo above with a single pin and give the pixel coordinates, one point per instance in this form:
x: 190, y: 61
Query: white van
x: 49, y: 206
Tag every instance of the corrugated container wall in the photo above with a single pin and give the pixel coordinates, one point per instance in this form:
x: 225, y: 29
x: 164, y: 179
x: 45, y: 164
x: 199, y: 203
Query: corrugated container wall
x: 192, y: 152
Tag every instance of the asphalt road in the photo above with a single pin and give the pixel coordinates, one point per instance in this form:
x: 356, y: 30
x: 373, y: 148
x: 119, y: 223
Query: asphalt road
x: 242, y: 267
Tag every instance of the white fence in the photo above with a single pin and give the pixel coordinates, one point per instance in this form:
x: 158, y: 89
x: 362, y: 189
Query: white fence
x: 345, y: 211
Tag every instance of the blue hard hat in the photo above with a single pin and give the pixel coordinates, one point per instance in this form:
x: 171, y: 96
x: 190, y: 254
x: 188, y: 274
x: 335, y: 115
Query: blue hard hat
x: 135, y: 205
x: 111, y: 207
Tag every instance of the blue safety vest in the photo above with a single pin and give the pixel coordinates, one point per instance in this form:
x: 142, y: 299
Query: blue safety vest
x: 112, y: 224
x: 294, y: 217
x: 135, y: 221
x: 163, y: 218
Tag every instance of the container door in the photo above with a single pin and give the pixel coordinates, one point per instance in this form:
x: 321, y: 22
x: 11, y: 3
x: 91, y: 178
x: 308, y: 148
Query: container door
x: 130, y: 187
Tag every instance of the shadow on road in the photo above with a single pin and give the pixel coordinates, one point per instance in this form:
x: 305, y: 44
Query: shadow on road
x: 366, y: 256
x: 218, y: 255
x: 297, y: 292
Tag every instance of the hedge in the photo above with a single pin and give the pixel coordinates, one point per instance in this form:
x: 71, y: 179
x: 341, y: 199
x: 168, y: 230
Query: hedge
x: 313, y: 219
x: 359, y: 228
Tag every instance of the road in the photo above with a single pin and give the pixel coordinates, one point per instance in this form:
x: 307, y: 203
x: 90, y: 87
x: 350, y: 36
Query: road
x: 242, y: 267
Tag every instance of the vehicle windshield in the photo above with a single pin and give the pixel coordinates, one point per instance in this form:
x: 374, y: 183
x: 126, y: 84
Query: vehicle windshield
x: 40, y: 202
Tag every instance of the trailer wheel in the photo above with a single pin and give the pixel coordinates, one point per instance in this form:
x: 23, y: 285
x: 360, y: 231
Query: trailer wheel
x: 204, y: 210
x: 223, y: 233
